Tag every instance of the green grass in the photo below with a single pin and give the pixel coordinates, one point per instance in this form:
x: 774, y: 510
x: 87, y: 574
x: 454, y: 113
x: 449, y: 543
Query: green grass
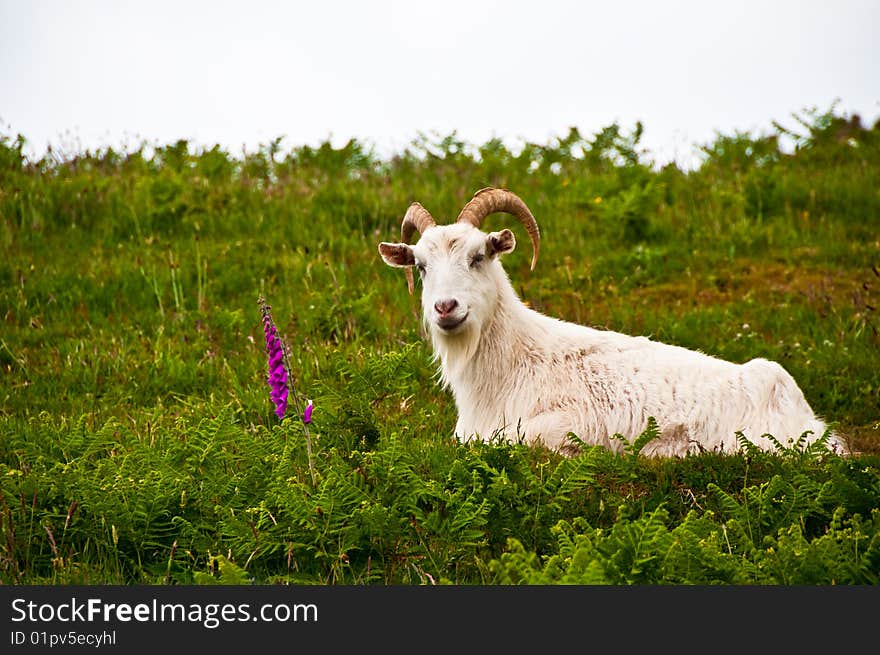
x: 138, y: 443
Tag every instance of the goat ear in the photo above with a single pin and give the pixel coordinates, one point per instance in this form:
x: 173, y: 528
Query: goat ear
x: 499, y: 243
x: 398, y: 255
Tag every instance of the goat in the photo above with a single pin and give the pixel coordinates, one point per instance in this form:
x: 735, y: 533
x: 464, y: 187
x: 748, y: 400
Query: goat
x: 517, y: 373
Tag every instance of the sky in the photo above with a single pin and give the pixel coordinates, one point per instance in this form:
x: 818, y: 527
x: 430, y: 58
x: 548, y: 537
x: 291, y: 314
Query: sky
x: 88, y: 74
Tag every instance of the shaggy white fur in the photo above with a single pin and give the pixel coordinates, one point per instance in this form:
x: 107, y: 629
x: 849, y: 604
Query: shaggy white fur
x: 518, y: 373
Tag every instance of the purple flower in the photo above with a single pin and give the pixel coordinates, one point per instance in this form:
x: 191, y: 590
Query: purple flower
x: 281, y: 381
x: 277, y: 369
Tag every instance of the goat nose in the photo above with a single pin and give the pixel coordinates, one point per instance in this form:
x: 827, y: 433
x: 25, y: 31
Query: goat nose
x: 443, y: 307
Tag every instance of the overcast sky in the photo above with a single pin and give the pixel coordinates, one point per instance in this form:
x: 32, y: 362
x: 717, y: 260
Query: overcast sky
x: 91, y: 74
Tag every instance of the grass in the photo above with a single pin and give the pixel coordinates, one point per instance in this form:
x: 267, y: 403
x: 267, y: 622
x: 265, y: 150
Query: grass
x: 138, y: 443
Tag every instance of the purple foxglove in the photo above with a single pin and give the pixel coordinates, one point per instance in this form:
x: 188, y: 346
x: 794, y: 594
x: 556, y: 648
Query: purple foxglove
x: 277, y: 369
x: 281, y: 381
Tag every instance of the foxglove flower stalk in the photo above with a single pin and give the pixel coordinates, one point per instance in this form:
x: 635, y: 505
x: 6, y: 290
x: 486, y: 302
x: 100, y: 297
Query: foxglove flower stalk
x: 278, y: 375
x: 281, y: 380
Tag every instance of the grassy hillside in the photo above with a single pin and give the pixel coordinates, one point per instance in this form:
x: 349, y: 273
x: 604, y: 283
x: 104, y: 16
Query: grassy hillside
x: 138, y: 443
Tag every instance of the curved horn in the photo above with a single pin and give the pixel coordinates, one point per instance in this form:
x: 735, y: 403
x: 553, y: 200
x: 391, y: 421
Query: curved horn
x: 488, y: 201
x: 416, y: 218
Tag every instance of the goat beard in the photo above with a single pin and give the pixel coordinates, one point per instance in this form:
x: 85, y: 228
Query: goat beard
x: 454, y: 351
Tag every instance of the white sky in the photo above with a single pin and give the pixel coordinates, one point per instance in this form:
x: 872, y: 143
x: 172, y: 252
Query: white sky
x: 89, y: 74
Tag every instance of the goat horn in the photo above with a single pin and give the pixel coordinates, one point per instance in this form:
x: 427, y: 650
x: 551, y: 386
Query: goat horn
x: 488, y: 201
x: 416, y: 218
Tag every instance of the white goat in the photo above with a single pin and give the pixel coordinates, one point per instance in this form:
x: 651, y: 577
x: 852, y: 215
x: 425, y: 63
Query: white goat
x: 518, y: 373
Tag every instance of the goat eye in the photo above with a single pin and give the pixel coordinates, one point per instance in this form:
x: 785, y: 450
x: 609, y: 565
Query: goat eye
x: 476, y: 259
x: 421, y: 268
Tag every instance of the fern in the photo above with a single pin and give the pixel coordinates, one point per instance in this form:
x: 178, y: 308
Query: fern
x: 222, y: 571
x: 747, y: 447
x: 633, y: 548
x: 649, y: 434
x: 417, y: 509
